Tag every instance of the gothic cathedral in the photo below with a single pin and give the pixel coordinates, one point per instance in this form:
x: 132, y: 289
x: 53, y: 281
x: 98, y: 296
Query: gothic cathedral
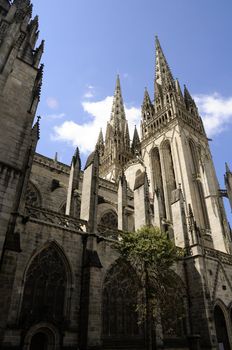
x: 62, y: 284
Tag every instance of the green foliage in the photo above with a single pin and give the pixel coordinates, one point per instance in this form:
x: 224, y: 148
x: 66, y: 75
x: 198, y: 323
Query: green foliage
x: 150, y: 246
x: 153, y: 256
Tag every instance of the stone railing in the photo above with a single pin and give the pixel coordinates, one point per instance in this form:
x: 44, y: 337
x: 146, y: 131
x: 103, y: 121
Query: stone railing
x: 216, y: 254
x: 56, y: 219
x: 108, y: 232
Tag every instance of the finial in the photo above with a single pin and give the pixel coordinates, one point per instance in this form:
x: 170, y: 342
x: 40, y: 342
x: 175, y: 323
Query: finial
x: 227, y: 168
x: 77, y: 152
x: 118, y: 81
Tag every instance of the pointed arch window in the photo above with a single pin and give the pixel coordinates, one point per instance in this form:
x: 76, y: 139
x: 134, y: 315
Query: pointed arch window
x: 45, y: 288
x: 120, y: 319
x: 109, y: 219
x: 158, y: 180
x: 169, y: 173
x: 203, y: 218
x: 33, y: 197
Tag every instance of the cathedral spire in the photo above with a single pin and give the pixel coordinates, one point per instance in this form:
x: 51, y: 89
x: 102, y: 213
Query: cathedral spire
x: 163, y: 72
x: 118, y: 112
x: 116, y: 151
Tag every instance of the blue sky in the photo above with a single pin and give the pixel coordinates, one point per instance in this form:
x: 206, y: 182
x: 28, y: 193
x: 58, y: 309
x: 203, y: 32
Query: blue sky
x: 89, y: 41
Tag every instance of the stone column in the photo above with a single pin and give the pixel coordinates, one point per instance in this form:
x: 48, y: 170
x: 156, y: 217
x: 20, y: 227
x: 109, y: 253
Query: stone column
x: 141, y: 201
x: 158, y: 208
x: 71, y: 205
x: 90, y: 321
x: 89, y: 198
x: 122, y: 203
x: 179, y: 219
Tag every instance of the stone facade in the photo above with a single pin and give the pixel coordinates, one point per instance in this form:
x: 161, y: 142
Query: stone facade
x: 62, y: 284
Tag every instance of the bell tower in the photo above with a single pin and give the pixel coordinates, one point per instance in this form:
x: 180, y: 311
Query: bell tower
x: 175, y: 148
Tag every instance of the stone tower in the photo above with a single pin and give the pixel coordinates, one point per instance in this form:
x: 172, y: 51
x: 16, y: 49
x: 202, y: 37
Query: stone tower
x: 20, y: 85
x: 116, y: 151
x: 176, y: 150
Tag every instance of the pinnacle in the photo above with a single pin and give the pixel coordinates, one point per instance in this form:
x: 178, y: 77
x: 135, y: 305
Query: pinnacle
x: 76, y: 157
x: 178, y: 88
x: 100, y: 138
x: 188, y: 98
x: 163, y: 72
x: 56, y: 157
x: 136, y: 144
x: 227, y: 168
x: 147, y: 104
x: 136, y: 135
x: 146, y: 99
x: 77, y: 153
x: 118, y: 82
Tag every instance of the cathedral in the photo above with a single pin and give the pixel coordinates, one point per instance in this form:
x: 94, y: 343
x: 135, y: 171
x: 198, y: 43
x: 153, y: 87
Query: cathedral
x: 63, y: 286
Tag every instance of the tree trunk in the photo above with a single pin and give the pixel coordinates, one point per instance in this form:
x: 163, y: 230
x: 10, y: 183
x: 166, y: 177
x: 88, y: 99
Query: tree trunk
x: 150, y: 327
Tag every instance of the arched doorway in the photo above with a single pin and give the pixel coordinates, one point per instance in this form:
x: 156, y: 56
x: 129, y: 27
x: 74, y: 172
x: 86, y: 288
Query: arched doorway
x: 42, y: 336
x: 39, y: 341
x: 221, y: 329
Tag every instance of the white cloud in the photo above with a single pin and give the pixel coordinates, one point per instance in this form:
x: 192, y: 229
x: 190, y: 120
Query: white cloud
x: 85, y: 135
x: 90, y: 92
x: 52, y: 103
x: 55, y: 116
x: 216, y: 112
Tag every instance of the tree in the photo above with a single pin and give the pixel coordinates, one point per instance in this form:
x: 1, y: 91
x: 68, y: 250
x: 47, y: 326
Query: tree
x: 153, y: 255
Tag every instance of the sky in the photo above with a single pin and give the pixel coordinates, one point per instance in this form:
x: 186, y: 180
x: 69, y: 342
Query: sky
x: 89, y: 42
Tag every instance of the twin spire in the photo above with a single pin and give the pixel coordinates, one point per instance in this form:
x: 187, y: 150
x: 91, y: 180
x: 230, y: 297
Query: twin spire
x: 116, y: 150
